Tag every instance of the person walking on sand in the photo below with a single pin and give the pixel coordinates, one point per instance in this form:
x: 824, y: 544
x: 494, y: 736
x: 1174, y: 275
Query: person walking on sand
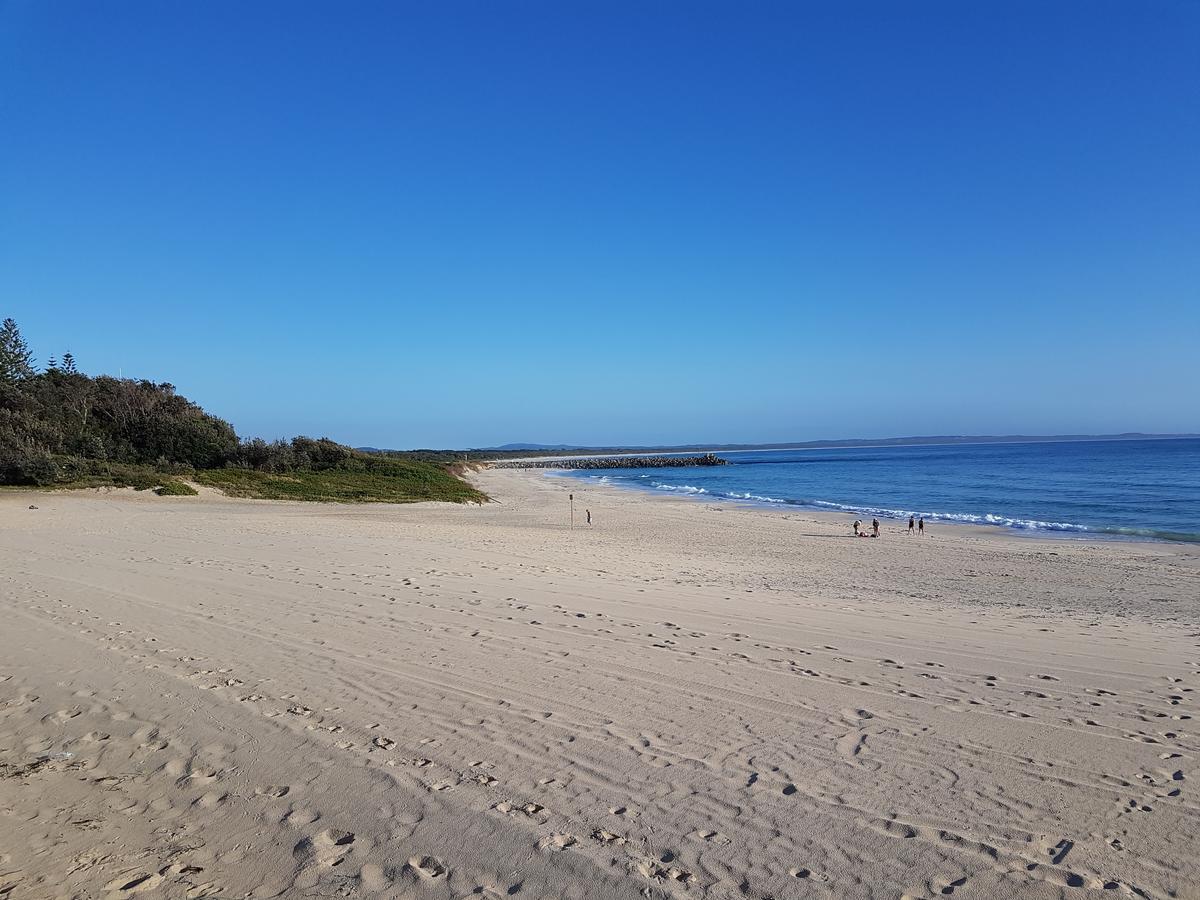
x: 875, y: 527
x: 588, y: 513
x: 912, y: 524
x: 921, y: 526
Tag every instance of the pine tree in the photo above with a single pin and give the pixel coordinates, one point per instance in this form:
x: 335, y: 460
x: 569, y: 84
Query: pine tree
x: 16, y: 359
x: 68, y: 364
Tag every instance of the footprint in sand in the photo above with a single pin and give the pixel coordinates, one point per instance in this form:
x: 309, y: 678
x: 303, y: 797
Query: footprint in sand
x: 210, y: 800
x: 427, y: 867
x: 655, y: 871
x: 899, y: 829
x: 513, y: 809
x: 558, y: 842
x: 327, y: 849
x: 375, y: 878
x: 950, y: 887
x: 300, y: 816
x: 134, y: 883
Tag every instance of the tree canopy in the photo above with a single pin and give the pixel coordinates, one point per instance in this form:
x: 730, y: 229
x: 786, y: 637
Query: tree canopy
x: 16, y: 359
x: 60, y: 426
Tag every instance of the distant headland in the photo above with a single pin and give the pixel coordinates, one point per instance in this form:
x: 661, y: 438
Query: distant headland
x: 505, y: 450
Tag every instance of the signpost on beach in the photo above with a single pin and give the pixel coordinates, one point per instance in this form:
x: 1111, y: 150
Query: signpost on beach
x: 571, y: 497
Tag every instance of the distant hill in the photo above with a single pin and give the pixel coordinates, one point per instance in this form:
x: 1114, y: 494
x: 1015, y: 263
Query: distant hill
x: 534, y: 447
x: 554, y: 449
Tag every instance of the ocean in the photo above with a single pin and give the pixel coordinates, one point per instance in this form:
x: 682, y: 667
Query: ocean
x: 1143, y: 489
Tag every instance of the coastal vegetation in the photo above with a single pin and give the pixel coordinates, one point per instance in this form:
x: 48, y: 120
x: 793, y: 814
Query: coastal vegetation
x: 174, y: 488
x: 62, y: 428
x: 360, y: 479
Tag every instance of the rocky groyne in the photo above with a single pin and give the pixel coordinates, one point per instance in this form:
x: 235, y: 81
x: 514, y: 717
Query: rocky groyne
x: 613, y: 462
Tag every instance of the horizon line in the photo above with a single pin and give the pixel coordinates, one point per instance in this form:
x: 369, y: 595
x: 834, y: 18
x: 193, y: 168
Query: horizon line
x: 729, y: 446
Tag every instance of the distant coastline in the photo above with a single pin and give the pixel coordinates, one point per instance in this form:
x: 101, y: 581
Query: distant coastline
x: 916, y: 440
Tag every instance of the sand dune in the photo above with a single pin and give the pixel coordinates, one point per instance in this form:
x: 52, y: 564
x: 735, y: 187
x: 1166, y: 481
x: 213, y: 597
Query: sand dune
x: 206, y: 697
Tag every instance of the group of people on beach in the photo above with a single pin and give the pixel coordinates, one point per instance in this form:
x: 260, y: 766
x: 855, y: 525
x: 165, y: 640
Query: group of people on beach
x: 915, y: 526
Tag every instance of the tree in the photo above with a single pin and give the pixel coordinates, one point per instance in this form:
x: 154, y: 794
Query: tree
x: 68, y: 364
x: 16, y: 359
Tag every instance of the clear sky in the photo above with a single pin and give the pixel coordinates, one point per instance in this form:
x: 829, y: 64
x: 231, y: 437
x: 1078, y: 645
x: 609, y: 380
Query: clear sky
x: 467, y: 223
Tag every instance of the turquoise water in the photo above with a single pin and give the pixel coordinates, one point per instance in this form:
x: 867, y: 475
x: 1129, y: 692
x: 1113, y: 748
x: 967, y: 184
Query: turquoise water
x: 1137, y: 488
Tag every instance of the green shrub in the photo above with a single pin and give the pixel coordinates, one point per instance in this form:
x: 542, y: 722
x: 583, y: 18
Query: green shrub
x: 176, y: 489
x: 23, y: 462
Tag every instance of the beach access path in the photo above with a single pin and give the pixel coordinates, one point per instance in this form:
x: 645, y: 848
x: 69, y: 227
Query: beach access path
x: 205, y: 696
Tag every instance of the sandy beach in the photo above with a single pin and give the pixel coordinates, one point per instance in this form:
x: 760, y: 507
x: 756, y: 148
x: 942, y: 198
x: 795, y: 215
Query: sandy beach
x: 211, y: 697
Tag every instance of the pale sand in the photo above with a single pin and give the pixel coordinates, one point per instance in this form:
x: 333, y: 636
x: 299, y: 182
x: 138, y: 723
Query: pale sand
x: 208, y: 697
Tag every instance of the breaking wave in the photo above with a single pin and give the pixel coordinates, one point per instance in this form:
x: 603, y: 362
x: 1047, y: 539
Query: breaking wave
x: 649, y: 482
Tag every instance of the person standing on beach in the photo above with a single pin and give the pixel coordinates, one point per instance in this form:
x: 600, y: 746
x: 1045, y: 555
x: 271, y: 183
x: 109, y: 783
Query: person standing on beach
x: 921, y: 526
x: 855, y: 526
x: 875, y: 527
x: 588, y: 513
x: 912, y: 524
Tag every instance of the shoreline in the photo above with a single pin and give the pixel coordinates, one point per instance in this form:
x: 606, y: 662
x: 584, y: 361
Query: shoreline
x: 1073, y: 533
x: 790, y: 529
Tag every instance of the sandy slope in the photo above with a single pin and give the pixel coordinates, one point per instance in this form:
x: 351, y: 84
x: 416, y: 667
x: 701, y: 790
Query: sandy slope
x: 202, y: 697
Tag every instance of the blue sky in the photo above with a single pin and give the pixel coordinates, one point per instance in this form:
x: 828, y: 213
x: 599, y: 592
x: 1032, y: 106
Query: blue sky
x: 462, y: 224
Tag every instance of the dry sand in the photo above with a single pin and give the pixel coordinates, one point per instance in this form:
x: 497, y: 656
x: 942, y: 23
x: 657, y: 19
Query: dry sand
x: 209, y: 697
